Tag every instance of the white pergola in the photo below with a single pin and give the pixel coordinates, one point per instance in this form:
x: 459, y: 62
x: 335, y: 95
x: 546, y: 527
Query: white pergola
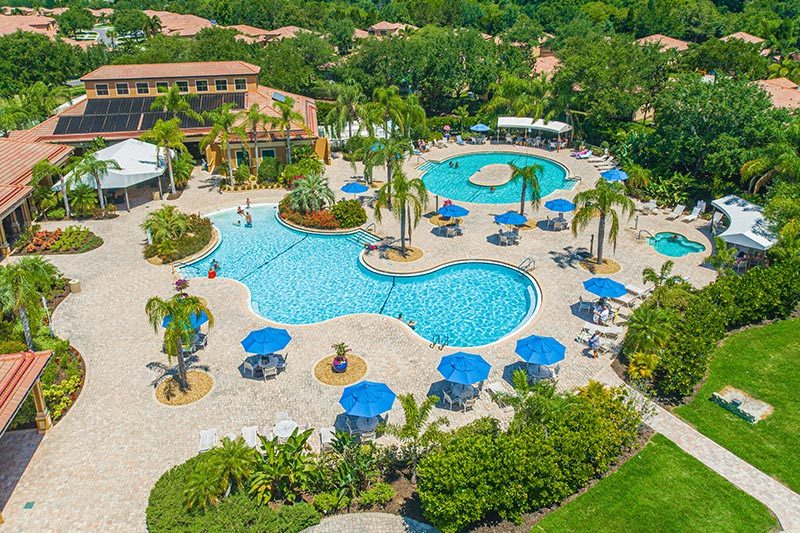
x: 748, y: 228
x: 526, y: 123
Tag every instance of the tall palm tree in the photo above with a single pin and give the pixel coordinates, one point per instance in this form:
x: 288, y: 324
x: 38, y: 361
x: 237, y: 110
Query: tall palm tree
x: 519, y: 96
x: 411, y: 114
x: 22, y: 284
x: 417, y: 433
x: 176, y: 104
x: 167, y: 135
x: 661, y: 278
x: 347, y: 108
x: 390, y: 105
x: 181, y: 308
x: 410, y: 199
x: 89, y: 165
x: 390, y: 154
x: 288, y: 117
x: 601, y: 202
x: 225, y: 125
x: 255, y: 120
x: 529, y: 177
x: 310, y: 193
x: 46, y: 171
x: 461, y: 112
x: 776, y: 160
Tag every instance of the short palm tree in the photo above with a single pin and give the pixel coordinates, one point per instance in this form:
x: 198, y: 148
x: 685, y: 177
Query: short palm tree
x: 649, y: 329
x: 254, y: 121
x: 287, y: 118
x: 176, y: 104
x: 410, y: 199
x: 417, y: 433
x: 661, y: 278
x: 225, y: 125
x: 47, y: 172
x: 89, y: 165
x: 529, y: 177
x: 179, y: 331
x: 82, y: 199
x: 166, y: 224
x: 461, y: 112
x: 22, y: 284
x: 601, y: 202
x: 310, y: 193
x: 167, y: 135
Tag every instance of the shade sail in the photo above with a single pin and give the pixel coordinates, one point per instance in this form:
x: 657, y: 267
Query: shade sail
x: 748, y: 227
x: 527, y: 123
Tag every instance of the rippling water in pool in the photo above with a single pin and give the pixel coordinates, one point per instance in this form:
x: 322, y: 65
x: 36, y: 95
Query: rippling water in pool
x: 453, y: 183
x: 301, y: 278
x: 674, y: 244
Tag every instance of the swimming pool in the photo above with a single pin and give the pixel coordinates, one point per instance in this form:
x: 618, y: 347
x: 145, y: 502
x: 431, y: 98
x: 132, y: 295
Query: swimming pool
x: 674, y: 244
x: 453, y: 183
x: 302, y: 278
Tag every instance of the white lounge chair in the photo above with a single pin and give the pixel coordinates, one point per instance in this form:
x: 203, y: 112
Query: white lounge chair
x: 460, y: 141
x: 270, y: 372
x: 326, y: 438
x: 677, y: 212
x: 250, y: 436
x: 649, y: 207
x: 605, y: 157
x: 208, y: 439
x: 698, y: 210
x: 605, y: 331
x: 627, y: 299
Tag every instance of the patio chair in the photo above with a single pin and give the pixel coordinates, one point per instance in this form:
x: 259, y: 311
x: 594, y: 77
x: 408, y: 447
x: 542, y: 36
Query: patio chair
x: 677, y: 212
x: 201, y: 341
x: 350, y: 430
x: 449, y: 401
x: 468, y: 403
x: 208, y: 439
x: 694, y: 214
x: 250, y: 436
x: 267, y: 433
x: 269, y: 372
x: 496, y: 389
x: 251, y: 368
x: 326, y: 438
x: 367, y: 436
x: 281, y: 366
x: 460, y: 141
x: 584, y: 304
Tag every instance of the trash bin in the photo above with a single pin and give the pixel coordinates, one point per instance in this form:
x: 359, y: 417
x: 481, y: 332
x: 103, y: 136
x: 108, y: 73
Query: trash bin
x: 74, y: 286
x: 156, y: 196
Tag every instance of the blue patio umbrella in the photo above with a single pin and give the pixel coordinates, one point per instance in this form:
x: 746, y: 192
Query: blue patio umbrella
x: 560, y: 205
x: 367, y: 399
x: 512, y: 218
x: 540, y: 350
x: 452, y: 210
x: 266, y: 340
x: 355, y: 188
x: 376, y: 146
x: 614, y: 174
x: 464, y: 368
x: 604, y: 287
x: 196, y: 321
x: 480, y: 128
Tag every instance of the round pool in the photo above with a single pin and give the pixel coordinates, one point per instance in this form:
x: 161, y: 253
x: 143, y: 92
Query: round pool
x: 465, y: 183
x: 296, y: 277
x: 674, y: 244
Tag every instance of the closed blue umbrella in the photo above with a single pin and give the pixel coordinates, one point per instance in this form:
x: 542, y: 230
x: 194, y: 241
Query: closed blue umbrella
x: 512, y: 218
x: 604, y: 287
x: 614, y: 174
x: 367, y: 399
x: 267, y: 340
x: 196, y: 320
x: 355, y: 188
x: 452, y: 210
x: 464, y: 368
x: 480, y: 128
x: 540, y: 350
x: 559, y: 205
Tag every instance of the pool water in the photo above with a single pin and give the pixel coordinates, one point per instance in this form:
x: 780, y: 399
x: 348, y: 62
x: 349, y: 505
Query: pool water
x: 302, y: 278
x: 674, y: 244
x: 453, y: 183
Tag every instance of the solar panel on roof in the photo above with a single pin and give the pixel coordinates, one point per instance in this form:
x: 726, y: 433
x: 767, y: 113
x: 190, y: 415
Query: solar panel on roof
x: 278, y: 97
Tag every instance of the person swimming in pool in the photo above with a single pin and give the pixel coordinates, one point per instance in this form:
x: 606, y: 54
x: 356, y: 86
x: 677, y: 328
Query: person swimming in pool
x: 248, y: 220
x: 412, y: 324
x: 451, y: 164
x: 239, y: 210
x: 674, y: 237
x: 456, y: 165
x: 215, y: 265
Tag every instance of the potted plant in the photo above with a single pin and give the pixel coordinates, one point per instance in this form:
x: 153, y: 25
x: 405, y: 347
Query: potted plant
x: 339, y: 363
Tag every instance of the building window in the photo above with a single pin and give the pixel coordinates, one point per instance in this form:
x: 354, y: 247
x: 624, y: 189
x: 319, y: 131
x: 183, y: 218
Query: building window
x: 183, y: 86
x: 240, y: 84
x: 101, y: 89
x: 222, y: 85
x: 122, y: 88
x: 162, y: 86
x: 142, y: 87
x: 268, y: 152
x: 201, y: 86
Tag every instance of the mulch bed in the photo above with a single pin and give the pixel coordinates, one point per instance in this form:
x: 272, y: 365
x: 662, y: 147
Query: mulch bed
x: 609, y: 266
x: 412, y: 254
x: 168, y: 392
x: 356, y: 369
x: 439, y: 220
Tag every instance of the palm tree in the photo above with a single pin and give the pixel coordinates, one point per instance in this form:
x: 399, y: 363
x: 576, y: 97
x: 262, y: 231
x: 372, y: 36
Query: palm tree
x: 529, y: 176
x: 410, y: 199
x: 154, y: 26
x: 601, y: 201
x: 43, y: 195
x: 390, y: 105
x: 390, y: 153
x: 661, y: 278
x: 82, y: 198
x: 416, y: 432
x: 288, y: 117
x: 89, y: 165
x: 347, y: 108
x: 167, y: 134
x: 461, y: 112
x: 520, y: 97
x: 310, y: 193
x: 780, y: 159
x: 181, y: 308
x: 411, y: 113
x: 255, y: 120
x: 724, y: 256
x: 224, y: 126
x: 22, y: 284
x: 649, y: 330
x: 176, y: 104
x: 166, y: 224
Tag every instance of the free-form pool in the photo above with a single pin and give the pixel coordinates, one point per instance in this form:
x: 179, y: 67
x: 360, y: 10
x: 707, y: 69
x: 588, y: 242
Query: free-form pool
x: 674, y: 244
x: 302, y: 278
x: 453, y: 183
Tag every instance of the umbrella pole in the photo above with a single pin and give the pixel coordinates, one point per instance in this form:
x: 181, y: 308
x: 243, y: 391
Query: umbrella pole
x: 127, y: 200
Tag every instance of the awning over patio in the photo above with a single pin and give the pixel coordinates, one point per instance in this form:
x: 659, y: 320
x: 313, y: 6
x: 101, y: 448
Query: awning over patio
x: 553, y: 126
x: 747, y: 228
x: 19, y: 374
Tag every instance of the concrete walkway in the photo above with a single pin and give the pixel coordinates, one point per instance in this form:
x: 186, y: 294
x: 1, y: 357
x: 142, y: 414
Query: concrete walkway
x: 781, y: 500
x: 370, y: 523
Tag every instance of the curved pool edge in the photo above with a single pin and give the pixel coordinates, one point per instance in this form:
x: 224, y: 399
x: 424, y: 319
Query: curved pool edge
x: 651, y: 243
x: 565, y: 168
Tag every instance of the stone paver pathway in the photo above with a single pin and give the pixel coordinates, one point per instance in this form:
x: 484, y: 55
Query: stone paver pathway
x: 370, y: 523
x: 781, y: 500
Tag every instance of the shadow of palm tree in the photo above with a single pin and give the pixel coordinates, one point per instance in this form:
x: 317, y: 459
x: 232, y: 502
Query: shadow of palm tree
x: 171, y: 371
x: 570, y: 257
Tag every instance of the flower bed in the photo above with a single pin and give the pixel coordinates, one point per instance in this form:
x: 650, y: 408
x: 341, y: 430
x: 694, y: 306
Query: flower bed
x: 343, y: 215
x: 71, y: 240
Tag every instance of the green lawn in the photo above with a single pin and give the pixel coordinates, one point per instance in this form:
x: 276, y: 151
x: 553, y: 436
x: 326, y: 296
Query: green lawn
x: 764, y: 363
x: 661, y: 489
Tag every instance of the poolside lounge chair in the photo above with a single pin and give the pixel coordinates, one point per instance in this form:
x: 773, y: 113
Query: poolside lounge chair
x: 638, y: 291
x: 460, y: 141
x: 677, y: 212
x: 698, y: 210
x: 326, y: 437
x: 649, y: 207
x: 250, y: 436
x: 627, y: 299
x: 605, y: 157
x: 208, y: 439
x: 611, y: 332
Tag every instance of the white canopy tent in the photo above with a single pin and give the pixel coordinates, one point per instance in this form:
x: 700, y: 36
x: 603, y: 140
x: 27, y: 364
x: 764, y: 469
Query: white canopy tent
x: 138, y: 163
x: 748, y: 228
x: 526, y: 123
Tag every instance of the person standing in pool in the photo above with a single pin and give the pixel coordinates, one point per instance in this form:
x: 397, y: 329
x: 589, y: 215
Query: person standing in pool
x: 248, y: 220
x: 247, y: 202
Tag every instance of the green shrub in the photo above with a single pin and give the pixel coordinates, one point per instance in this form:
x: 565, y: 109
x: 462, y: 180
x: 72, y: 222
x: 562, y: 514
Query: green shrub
x: 328, y: 502
x: 349, y: 213
x: 12, y: 347
x: 242, y: 174
x: 269, y: 170
x: 57, y: 213
x: 378, y: 495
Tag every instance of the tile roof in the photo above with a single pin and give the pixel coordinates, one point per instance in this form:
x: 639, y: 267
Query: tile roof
x: 171, y: 70
x: 783, y: 92
x: 18, y: 373
x: 546, y: 65
x: 286, y: 32
x: 744, y: 36
x: 17, y: 159
x: 178, y: 24
x: 360, y: 34
x: 392, y: 27
x: 31, y: 23
x: 251, y: 31
x: 664, y: 42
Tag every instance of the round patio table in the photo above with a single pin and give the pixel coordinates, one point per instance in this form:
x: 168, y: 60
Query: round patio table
x: 463, y: 391
x: 268, y: 361
x: 284, y: 429
x: 367, y: 423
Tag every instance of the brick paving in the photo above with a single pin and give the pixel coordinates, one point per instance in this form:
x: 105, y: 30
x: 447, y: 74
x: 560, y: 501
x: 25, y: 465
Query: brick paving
x: 370, y: 523
x: 94, y: 470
